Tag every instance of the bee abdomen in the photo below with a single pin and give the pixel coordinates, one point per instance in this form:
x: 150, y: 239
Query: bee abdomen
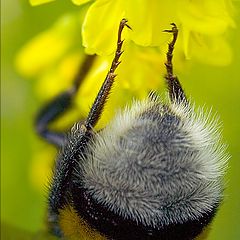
x: 157, y: 166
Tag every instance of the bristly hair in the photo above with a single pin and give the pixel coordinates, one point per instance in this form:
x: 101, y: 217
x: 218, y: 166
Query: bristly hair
x: 157, y: 163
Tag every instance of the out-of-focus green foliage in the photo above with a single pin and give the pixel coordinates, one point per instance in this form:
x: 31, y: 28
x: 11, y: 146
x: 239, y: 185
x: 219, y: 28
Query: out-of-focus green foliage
x: 23, y: 206
x: 11, y: 232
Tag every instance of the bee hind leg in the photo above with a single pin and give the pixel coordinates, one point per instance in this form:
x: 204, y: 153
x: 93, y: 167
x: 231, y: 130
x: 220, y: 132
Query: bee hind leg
x: 176, y: 92
x: 59, y: 105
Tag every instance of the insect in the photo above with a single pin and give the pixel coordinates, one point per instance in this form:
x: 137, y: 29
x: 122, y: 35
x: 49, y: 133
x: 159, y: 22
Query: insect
x: 155, y: 172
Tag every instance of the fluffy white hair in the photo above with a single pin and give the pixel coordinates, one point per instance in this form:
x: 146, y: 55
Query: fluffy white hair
x: 157, y: 163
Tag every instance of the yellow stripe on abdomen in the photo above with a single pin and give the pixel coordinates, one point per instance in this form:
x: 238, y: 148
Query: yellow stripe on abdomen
x: 75, y: 228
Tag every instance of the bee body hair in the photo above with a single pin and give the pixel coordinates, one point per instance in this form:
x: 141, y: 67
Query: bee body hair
x: 156, y: 164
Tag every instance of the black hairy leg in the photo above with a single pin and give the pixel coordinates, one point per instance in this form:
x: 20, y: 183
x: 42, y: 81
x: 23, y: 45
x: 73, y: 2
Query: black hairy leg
x: 176, y: 92
x: 103, y: 93
x: 59, y: 105
x: 74, y: 147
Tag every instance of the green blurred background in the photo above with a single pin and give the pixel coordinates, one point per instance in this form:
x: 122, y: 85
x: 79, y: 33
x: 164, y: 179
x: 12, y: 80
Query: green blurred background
x: 22, y: 205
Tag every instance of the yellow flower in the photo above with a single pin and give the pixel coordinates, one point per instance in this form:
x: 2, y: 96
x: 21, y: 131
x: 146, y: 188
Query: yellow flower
x: 141, y: 70
x: 202, y: 25
x: 38, y: 2
x: 79, y: 2
x: 34, y: 58
x: 40, y: 168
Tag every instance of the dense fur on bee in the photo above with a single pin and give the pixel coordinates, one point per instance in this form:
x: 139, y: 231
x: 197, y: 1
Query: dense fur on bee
x: 155, y: 172
x: 156, y: 164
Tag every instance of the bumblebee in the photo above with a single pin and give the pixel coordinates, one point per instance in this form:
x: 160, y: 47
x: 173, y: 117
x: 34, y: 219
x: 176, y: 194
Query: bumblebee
x: 155, y: 172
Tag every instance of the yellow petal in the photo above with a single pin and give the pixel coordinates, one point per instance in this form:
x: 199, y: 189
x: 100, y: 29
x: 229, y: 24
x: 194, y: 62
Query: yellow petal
x: 80, y: 2
x: 211, y: 50
x: 102, y: 20
x: 41, y: 168
x: 46, y: 48
x: 185, y: 33
x: 59, y: 77
x: 99, y: 31
x: 36, y: 55
x: 208, y: 17
x: 149, y: 21
x: 39, y: 2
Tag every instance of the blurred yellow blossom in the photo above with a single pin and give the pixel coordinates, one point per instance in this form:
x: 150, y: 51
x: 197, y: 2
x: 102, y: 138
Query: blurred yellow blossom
x: 206, y: 19
x: 79, y: 2
x: 44, y: 50
x: 40, y: 168
x: 38, y: 2
x: 202, y: 25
